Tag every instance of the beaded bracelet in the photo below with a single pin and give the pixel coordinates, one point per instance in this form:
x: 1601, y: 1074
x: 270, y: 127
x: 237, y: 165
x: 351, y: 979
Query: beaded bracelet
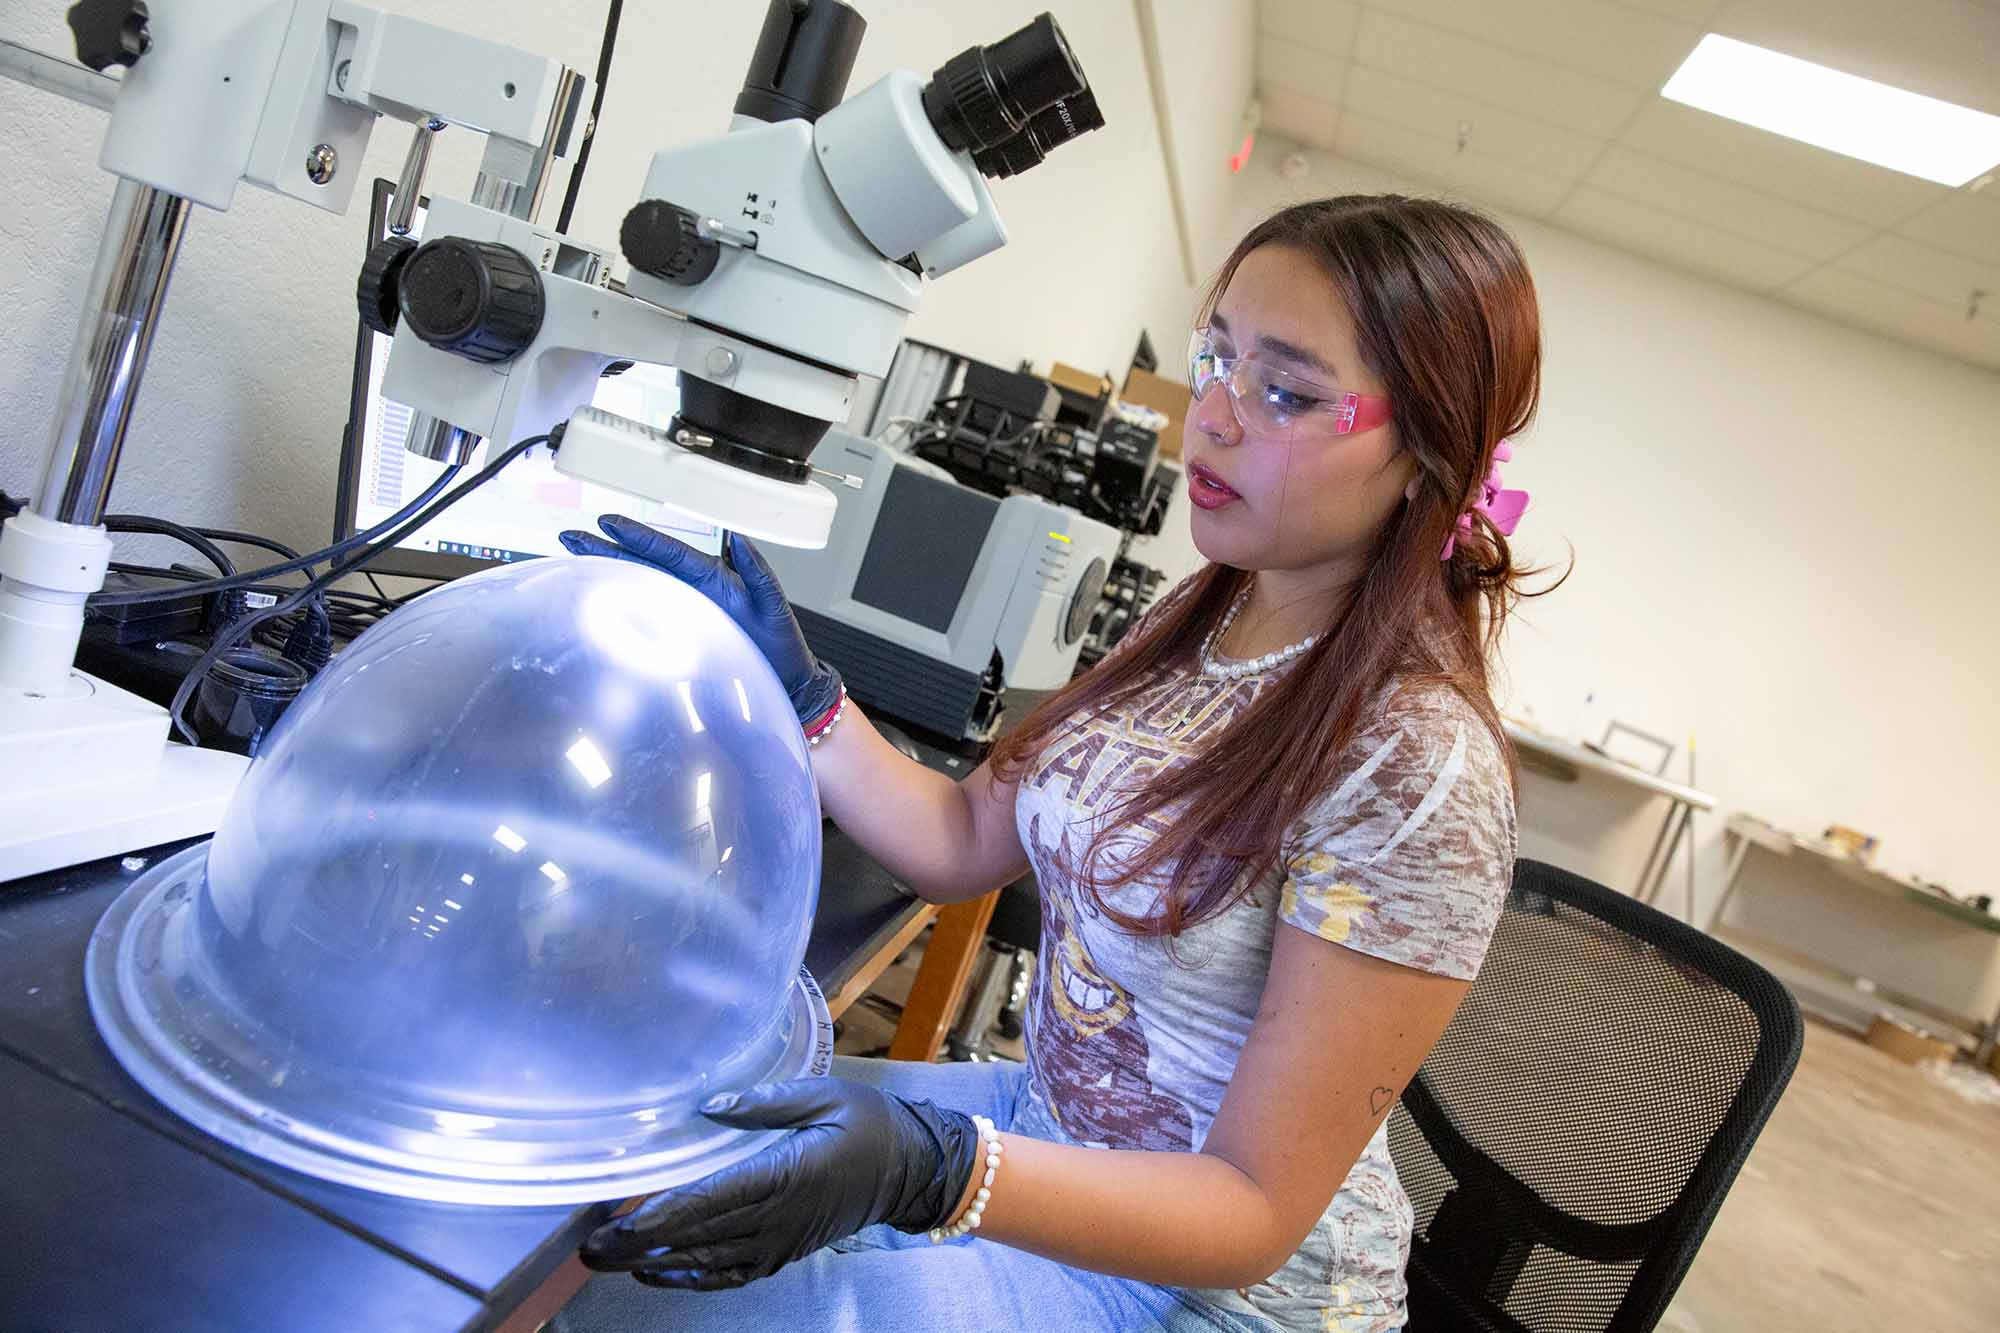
x: 826, y: 722
x: 968, y: 1222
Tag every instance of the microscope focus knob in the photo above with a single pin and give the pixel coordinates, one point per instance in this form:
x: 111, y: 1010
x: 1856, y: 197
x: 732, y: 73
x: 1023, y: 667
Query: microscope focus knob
x: 375, y: 293
x: 665, y: 240
x: 110, y: 32
x: 479, y: 299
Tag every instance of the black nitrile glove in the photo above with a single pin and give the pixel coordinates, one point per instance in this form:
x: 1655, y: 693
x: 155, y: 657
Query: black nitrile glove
x: 743, y: 586
x: 858, y: 1156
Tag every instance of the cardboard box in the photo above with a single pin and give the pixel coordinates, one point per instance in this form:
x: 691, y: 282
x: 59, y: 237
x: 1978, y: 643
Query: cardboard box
x: 1911, y: 1045
x: 1162, y: 395
x: 1080, y: 381
x: 1084, y: 396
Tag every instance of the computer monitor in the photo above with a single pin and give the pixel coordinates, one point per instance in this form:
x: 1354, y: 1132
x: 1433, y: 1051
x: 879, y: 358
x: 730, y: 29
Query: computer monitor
x: 515, y: 516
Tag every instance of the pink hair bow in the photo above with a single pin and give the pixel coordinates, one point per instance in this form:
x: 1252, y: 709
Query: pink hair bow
x: 1503, y: 508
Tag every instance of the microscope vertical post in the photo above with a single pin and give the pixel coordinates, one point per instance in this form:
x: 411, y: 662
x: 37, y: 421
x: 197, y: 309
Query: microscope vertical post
x: 121, y: 311
x: 56, y: 553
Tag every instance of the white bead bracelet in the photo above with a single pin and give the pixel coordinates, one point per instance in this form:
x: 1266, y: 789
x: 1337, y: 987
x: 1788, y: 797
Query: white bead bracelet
x: 968, y: 1222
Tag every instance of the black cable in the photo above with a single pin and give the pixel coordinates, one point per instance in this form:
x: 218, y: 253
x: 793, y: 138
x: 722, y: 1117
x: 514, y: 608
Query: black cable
x: 378, y: 606
x: 596, y: 108
x: 147, y: 525
x: 234, y: 633
x: 186, y: 573
x: 309, y: 642
x: 251, y: 539
x: 330, y: 553
x: 364, y: 600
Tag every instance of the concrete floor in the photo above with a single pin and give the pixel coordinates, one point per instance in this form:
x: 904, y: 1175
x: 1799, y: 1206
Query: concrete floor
x: 1870, y: 1204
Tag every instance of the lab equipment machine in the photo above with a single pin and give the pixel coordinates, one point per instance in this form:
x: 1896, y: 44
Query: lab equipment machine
x: 935, y: 600
x: 771, y: 265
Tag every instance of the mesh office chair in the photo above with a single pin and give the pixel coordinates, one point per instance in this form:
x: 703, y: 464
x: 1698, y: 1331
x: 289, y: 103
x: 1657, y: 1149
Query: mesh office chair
x: 1569, y: 1139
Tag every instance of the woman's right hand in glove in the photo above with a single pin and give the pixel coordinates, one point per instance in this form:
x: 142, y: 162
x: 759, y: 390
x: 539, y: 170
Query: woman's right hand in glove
x: 743, y: 586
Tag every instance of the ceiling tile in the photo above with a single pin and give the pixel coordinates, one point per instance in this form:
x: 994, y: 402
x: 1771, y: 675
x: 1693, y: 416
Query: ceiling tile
x: 1785, y: 167
x: 1325, y: 25
x: 1436, y: 162
x: 1858, y: 300
x: 1627, y: 46
x: 1285, y: 64
x: 1941, y: 48
x: 1687, y: 11
x: 1690, y: 245
x: 1729, y: 207
x: 1479, y: 69
x: 1491, y: 132
x: 1966, y: 224
x: 1297, y: 116
x: 1936, y: 275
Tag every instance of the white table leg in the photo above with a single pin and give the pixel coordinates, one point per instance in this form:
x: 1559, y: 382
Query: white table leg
x: 1642, y: 889
x: 1729, y: 878
x: 1679, y: 817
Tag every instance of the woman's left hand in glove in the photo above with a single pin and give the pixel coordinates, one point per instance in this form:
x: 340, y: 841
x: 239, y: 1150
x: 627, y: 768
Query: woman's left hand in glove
x: 856, y: 1156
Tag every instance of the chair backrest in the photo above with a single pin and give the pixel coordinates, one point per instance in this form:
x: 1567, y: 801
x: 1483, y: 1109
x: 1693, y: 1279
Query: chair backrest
x: 1568, y: 1140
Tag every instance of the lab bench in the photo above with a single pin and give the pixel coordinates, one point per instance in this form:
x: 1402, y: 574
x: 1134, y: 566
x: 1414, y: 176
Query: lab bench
x: 1864, y: 942
x: 118, y: 1214
x: 1566, y: 762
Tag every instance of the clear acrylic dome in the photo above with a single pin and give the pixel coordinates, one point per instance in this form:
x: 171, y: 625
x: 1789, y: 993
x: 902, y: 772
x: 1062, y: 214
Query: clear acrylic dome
x: 520, y: 880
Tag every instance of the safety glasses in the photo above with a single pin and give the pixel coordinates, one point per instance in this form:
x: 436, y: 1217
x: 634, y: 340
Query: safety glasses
x: 1277, y: 403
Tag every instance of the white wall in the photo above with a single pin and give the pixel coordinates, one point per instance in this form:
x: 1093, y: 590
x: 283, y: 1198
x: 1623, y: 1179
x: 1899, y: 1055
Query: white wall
x: 240, y: 419
x: 1783, y: 532
x: 1208, y: 57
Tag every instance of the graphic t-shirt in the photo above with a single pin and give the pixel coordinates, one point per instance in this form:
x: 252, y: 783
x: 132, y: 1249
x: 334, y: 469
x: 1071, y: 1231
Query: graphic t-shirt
x: 1408, y: 859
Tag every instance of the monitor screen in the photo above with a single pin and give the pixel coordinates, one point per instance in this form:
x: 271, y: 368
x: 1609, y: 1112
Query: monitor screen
x: 515, y: 516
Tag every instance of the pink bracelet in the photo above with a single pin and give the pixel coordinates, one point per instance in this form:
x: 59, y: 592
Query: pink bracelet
x: 825, y: 723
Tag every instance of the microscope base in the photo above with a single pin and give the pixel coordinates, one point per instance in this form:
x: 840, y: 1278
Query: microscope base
x: 93, y: 775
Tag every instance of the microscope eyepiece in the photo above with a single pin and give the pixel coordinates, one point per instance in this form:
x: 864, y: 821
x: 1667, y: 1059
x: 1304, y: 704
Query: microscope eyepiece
x: 1048, y: 130
x: 986, y: 95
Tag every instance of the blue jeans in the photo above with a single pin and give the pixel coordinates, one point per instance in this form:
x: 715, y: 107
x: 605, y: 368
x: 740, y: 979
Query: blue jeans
x: 882, y: 1279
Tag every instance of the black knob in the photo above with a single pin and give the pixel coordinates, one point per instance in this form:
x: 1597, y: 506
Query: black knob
x: 479, y: 299
x: 663, y: 239
x: 110, y: 32
x: 376, y: 292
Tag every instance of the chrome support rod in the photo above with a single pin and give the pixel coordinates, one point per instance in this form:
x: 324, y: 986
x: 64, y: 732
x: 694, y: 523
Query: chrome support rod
x: 410, y: 184
x: 121, y: 311
x: 55, y: 75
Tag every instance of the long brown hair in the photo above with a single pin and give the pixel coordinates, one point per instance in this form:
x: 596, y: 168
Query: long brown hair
x: 1446, y: 316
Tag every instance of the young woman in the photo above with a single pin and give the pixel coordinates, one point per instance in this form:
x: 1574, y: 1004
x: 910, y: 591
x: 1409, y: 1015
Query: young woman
x: 1272, y: 833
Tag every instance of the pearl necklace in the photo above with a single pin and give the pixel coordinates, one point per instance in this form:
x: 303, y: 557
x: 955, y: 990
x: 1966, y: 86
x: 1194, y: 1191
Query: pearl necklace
x: 1253, y: 666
